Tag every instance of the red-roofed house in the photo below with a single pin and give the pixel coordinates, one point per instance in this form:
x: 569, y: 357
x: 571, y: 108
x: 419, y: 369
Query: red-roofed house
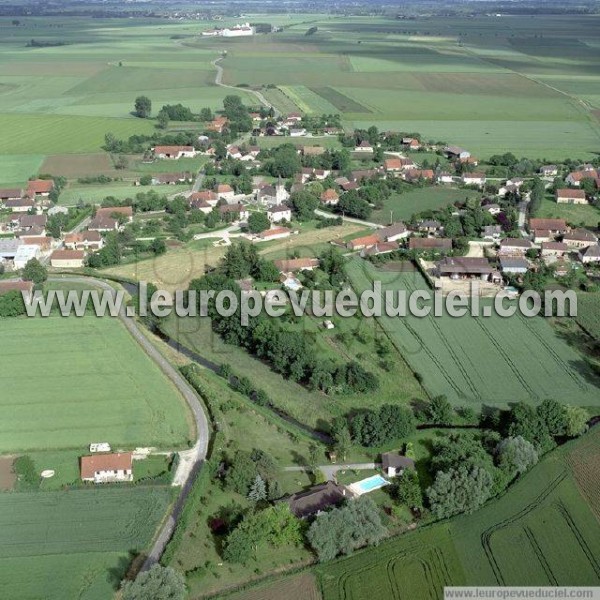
x: 40, y: 187
x: 330, y: 197
x: 107, y: 468
x: 567, y: 196
x: 67, y: 259
x: 174, y: 152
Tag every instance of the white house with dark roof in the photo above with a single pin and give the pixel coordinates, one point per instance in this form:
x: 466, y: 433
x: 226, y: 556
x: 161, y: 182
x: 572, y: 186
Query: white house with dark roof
x: 279, y: 213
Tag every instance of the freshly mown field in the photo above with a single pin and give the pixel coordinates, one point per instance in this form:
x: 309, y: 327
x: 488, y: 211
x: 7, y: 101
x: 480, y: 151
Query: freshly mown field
x: 506, y: 543
x: 400, y: 207
x: 67, y: 382
x: 74, y: 544
x: 486, y: 360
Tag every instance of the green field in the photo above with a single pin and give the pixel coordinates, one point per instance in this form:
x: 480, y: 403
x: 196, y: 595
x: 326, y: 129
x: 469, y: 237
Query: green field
x: 543, y: 531
x: 74, y: 544
x: 585, y: 215
x: 403, y: 206
x: 67, y: 382
x: 483, y: 361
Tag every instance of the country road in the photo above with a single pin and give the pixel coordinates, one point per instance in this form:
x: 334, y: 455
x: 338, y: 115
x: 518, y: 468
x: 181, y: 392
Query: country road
x: 259, y: 96
x: 191, y: 460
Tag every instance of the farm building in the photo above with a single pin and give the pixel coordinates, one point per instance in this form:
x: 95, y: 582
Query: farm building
x: 591, y: 254
x: 515, y: 246
x: 19, y: 205
x: 416, y: 174
x: 11, y: 194
x: 276, y: 233
x: 454, y: 152
x: 316, y: 499
x: 24, y: 254
x: 103, y: 224
x: 580, y: 238
x: 477, y: 179
x: 438, y: 244
x: 172, y: 178
x: 462, y: 267
x: 86, y: 240
x: 380, y: 248
x: 330, y: 197
x: 125, y: 212
x: 40, y: 187
x: 174, y: 152
x: 394, y: 464
x: 9, y: 247
x: 360, y: 243
x: 568, y: 196
x: 107, y: 468
x: 67, y: 259
x: 279, y: 213
x: 554, y: 249
x: 554, y: 226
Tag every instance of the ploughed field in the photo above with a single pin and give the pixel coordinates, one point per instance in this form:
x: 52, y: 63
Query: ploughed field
x: 486, y: 360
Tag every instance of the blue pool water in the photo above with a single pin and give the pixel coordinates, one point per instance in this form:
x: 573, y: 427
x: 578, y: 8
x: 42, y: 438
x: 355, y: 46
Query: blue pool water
x: 371, y: 483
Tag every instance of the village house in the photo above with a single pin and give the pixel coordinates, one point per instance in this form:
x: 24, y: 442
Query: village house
x: 430, y: 226
x: 438, y: 244
x: 568, y: 196
x: 379, y: 248
x: 107, y: 468
x: 553, y: 249
x: 224, y: 190
x: 475, y: 178
x: 67, y: 259
x: 103, y: 224
x: 392, y: 233
x: 362, y: 242
x: 416, y: 174
x: 394, y: 464
x: 293, y: 265
x: 575, y: 178
x: 32, y: 224
x: 580, y: 238
x: 455, y: 152
x: 40, y: 187
x: 19, y: 205
x: 330, y: 197
x: 444, y: 177
x: 86, y: 240
x: 17, y: 285
x: 514, y: 246
x: 555, y: 227
x: 218, y: 124
x: 492, y: 232
x: 174, y: 152
x: 591, y: 254
x: 549, y: 171
x: 411, y: 143
x: 364, y: 146
x: 316, y: 499
x: 514, y: 265
x: 238, y: 212
x: 114, y: 212
x: 207, y: 196
x: 279, y: 213
x: 493, y: 209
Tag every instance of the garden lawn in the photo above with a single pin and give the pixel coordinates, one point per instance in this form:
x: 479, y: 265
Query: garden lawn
x: 67, y: 382
x: 585, y: 215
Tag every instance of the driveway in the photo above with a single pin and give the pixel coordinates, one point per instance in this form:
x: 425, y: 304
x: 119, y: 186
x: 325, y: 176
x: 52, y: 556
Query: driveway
x: 330, y: 471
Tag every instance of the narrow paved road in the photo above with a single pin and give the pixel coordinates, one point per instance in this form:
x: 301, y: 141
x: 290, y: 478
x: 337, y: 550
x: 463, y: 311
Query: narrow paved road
x: 259, y: 96
x: 190, y: 460
x: 328, y: 215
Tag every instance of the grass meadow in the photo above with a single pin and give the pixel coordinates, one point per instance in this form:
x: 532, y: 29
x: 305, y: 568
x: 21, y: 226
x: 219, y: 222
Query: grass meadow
x: 483, y: 361
x: 74, y: 544
x: 506, y: 543
x: 67, y: 382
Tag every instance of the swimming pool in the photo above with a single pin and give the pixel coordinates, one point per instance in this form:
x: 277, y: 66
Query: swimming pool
x: 364, y: 486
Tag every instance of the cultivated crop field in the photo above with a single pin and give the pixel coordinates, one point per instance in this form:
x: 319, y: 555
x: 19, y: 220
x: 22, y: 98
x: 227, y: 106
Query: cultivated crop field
x: 74, y: 544
x: 69, y: 381
x: 506, y: 543
x: 483, y: 360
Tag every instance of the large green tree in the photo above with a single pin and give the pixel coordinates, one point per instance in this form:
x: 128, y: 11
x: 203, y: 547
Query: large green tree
x: 35, y: 271
x: 158, y: 583
x: 516, y: 455
x: 143, y: 107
